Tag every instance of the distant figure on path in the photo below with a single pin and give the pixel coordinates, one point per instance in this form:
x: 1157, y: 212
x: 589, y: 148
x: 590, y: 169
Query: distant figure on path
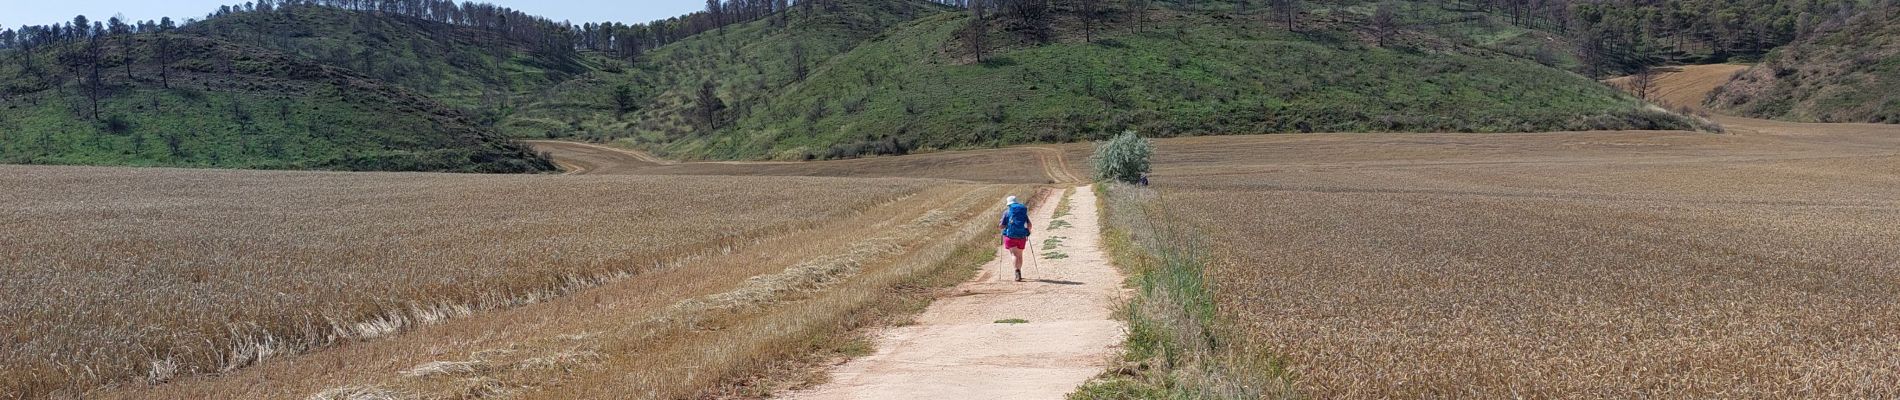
x: 1016, y: 232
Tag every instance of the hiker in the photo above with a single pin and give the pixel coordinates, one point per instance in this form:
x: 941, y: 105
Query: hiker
x: 1016, y: 232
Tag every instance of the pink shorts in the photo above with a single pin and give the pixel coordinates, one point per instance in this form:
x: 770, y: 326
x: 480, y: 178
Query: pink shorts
x: 1015, y: 243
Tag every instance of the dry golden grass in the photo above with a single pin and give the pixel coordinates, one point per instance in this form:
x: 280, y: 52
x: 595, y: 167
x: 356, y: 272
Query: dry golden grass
x: 114, y: 275
x: 682, y: 330
x: 1573, y: 265
x: 1017, y: 165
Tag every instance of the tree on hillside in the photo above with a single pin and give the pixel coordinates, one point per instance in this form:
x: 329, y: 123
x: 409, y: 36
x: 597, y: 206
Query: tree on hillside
x: 718, y: 14
x: 1593, y: 49
x: 1287, y: 10
x: 978, y: 29
x: 784, y: 12
x: 623, y: 100
x: 800, y: 67
x: 1032, y: 18
x: 709, y: 104
x: 164, y: 52
x: 26, y: 45
x: 1642, y: 84
x: 1385, y: 23
x: 77, y: 31
x: 94, y: 86
x: 123, y: 32
x: 1091, y: 11
x: 1141, y: 13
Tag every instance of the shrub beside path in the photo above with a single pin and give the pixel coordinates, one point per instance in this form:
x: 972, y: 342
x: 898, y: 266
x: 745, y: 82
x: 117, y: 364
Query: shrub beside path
x: 959, y: 350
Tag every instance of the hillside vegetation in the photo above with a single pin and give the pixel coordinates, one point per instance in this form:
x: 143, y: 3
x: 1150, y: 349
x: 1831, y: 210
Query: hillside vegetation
x: 467, y: 67
x: 662, y: 93
x: 1848, y: 71
x: 812, y: 80
x: 918, y: 85
x: 215, y: 103
x: 1196, y: 74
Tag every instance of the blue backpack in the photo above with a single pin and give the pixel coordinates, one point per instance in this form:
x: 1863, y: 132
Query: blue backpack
x: 1016, y: 221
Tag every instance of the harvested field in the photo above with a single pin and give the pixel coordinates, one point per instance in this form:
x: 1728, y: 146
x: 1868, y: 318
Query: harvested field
x: 1602, y: 264
x: 690, y: 328
x: 1017, y: 165
x: 115, y: 275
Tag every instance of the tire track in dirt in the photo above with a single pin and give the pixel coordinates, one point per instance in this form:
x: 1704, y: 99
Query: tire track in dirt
x: 1054, y: 165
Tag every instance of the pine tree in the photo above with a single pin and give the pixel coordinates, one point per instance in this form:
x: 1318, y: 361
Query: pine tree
x: 120, y: 30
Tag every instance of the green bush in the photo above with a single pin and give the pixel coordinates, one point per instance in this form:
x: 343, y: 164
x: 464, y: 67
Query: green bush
x: 1124, y: 158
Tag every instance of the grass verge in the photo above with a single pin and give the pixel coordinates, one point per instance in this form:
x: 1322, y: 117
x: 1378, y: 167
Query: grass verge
x: 1176, y: 346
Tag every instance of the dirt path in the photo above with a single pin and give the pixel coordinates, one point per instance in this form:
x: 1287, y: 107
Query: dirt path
x: 958, y: 350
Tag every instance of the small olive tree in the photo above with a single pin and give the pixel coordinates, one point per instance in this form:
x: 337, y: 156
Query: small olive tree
x: 1124, y: 158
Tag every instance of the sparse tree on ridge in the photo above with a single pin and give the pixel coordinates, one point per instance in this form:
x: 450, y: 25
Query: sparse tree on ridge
x: 718, y: 14
x: 94, y: 86
x: 1141, y: 13
x: 78, y: 28
x: 978, y: 30
x: 123, y: 32
x: 1385, y: 23
x: 1288, y: 11
x: 1091, y: 11
x: 164, y: 52
x: 784, y: 11
x: 1033, y: 17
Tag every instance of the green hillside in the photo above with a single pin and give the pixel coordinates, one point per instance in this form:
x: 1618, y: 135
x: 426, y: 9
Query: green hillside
x: 744, y: 62
x: 1848, y: 71
x: 472, y: 68
x: 229, y: 105
x: 824, y: 79
x: 1182, y: 72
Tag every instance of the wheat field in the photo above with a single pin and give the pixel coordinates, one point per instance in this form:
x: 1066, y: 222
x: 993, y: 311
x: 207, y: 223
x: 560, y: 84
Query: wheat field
x: 118, y: 275
x: 1564, y: 265
x: 1014, y: 165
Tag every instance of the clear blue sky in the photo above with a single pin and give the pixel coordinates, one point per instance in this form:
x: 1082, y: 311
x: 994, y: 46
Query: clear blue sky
x: 14, y: 13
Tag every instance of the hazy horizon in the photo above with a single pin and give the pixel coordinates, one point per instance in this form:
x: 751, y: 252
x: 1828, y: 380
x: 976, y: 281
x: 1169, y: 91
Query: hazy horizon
x: 21, y: 12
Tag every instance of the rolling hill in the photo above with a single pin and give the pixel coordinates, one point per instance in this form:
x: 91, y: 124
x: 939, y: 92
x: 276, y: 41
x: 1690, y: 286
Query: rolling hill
x: 744, y: 62
x: 821, y: 80
x: 1847, y: 71
x: 1196, y: 73
x: 229, y: 105
x: 892, y: 78
x: 476, y: 69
